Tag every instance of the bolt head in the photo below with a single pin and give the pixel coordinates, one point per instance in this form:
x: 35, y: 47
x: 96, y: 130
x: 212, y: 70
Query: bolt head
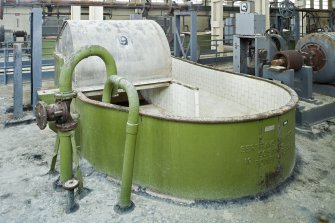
x: 71, y: 184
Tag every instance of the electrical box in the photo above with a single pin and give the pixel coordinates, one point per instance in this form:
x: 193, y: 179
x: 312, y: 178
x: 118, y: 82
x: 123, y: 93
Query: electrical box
x: 250, y: 24
x: 247, y: 7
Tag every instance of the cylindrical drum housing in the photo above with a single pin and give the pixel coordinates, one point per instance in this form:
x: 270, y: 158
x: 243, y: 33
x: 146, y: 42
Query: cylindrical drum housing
x: 318, y: 49
x: 140, y: 50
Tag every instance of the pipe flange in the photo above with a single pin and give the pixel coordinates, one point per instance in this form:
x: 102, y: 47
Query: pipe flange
x: 41, y: 114
x: 66, y: 127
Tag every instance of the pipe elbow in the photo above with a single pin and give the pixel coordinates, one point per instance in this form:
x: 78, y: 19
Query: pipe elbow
x: 65, y: 78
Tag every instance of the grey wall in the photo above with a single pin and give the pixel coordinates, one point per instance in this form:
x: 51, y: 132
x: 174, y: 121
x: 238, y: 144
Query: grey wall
x: 16, y: 18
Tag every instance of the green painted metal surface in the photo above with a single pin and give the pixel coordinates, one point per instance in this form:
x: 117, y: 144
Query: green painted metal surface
x: 191, y: 160
x: 66, y: 156
x: 66, y: 71
x: 113, y: 83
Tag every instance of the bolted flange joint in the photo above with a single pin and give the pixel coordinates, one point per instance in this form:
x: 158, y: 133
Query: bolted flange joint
x: 58, y: 112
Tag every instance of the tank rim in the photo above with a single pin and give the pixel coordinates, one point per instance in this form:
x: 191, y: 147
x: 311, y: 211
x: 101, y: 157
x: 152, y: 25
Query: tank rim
x: 245, y: 118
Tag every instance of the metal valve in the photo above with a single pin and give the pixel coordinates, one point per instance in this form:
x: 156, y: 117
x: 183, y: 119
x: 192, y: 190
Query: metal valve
x: 286, y: 9
x: 57, y: 112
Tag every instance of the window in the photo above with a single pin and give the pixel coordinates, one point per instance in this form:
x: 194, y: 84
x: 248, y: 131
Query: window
x: 293, y: 1
x: 325, y: 4
x: 237, y: 3
x: 196, y: 1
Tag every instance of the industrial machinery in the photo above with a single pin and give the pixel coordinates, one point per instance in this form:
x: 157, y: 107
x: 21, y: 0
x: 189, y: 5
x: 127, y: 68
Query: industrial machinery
x: 20, y: 36
x: 287, y: 66
x: 160, y: 130
x: 318, y: 51
x: 253, y: 45
x: 315, y: 52
x: 309, y: 70
x: 6, y: 35
x: 286, y: 20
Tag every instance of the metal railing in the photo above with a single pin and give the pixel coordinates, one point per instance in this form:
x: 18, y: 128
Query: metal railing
x: 215, y: 53
x: 209, y: 51
x: 7, y: 61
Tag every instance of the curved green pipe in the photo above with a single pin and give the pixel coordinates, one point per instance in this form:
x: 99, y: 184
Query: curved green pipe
x: 111, y: 86
x: 65, y: 88
x: 113, y: 83
x: 65, y: 77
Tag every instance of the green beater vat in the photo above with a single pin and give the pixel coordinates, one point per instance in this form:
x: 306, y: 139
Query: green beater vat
x: 193, y: 157
x: 203, y: 134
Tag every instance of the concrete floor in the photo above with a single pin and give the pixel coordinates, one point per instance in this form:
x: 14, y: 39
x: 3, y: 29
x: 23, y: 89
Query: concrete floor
x: 27, y: 195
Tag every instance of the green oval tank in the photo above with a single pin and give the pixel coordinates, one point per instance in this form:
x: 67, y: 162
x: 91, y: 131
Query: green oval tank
x: 203, y: 135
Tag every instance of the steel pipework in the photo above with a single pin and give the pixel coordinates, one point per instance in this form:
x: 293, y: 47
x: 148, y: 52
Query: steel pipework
x: 65, y: 78
x: 112, y: 84
x: 66, y: 156
x: 66, y: 93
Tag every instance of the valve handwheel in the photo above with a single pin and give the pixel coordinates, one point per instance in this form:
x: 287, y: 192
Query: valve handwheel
x: 286, y: 9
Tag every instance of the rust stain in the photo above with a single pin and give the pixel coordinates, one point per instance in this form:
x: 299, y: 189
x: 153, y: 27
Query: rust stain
x: 272, y: 178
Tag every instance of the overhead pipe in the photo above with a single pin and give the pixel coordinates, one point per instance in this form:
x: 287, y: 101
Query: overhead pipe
x: 112, y: 84
x: 155, y: 5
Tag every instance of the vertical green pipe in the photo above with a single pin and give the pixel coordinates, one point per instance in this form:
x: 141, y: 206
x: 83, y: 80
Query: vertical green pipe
x: 65, y: 156
x: 111, y: 85
x: 114, y: 82
x: 127, y: 171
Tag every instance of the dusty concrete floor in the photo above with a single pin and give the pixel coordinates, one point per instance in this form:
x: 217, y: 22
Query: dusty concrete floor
x: 27, y: 195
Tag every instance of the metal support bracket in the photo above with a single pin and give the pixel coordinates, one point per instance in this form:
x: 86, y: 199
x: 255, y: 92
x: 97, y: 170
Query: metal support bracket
x: 193, y: 44
x: 5, y: 53
x: 301, y: 81
x: 18, y: 86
